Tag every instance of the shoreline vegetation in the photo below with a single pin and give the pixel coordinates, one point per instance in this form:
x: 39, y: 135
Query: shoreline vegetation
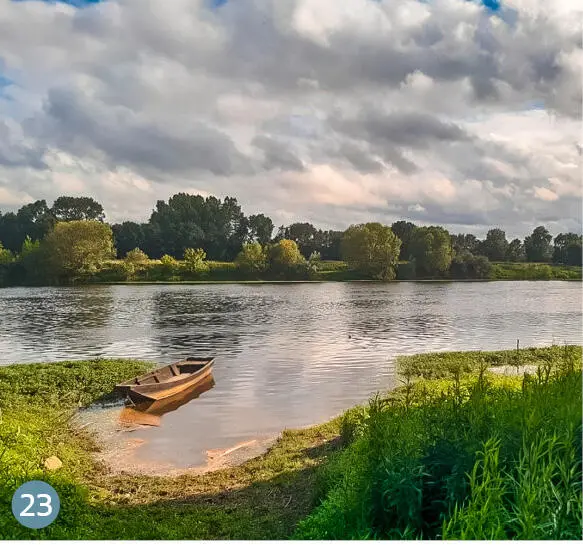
x: 457, y: 452
x: 191, y: 238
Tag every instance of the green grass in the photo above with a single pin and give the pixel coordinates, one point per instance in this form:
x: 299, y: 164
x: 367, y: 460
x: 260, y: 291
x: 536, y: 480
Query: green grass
x: 535, y: 271
x: 461, y: 453
x: 467, y: 455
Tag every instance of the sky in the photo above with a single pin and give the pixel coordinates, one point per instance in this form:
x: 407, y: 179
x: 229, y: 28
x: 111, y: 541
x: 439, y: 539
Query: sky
x: 449, y: 112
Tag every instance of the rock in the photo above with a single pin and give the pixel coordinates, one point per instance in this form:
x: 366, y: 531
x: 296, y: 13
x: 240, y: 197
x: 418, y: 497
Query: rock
x: 53, y: 463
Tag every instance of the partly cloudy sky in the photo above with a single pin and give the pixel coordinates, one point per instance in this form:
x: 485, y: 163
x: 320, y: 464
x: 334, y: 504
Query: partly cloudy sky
x: 446, y: 112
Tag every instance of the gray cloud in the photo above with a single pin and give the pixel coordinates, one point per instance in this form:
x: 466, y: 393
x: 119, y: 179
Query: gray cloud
x: 300, y: 108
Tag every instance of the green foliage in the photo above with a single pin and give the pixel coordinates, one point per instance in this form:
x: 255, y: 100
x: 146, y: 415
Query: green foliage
x: 404, y: 231
x: 372, y: 249
x: 77, y: 249
x: 285, y: 259
x: 252, y: 260
x: 535, y: 271
x: 77, y: 209
x: 135, y: 262
x: 6, y: 256
x: 466, y: 265
x: 169, y: 266
x: 194, y: 261
x: 537, y: 246
x: 495, y: 247
x: 469, y: 456
x: 567, y: 249
x: 515, y: 251
x: 432, y: 251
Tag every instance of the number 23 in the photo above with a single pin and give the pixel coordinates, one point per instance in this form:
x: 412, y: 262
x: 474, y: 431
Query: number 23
x: 47, y: 504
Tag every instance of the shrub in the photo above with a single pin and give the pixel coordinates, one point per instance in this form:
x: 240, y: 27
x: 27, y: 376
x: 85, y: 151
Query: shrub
x: 135, y: 262
x: 194, y: 261
x: 252, y: 259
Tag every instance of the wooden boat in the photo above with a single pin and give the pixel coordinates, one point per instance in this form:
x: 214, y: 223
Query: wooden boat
x: 166, y: 381
x: 149, y: 413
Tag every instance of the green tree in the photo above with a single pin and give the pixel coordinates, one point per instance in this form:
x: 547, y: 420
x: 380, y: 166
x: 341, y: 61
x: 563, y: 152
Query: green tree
x: 537, y: 246
x: 404, y: 230
x: 260, y: 229
x: 431, y: 248
x: 252, y: 259
x: 466, y: 265
x: 303, y: 234
x: 77, y: 209
x: 495, y: 247
x: 191, y: 221
x: 372, y: 249
x: 567, y: 248
x: 128, y: 235
x: 194, y: 261
x: 464, y: 242
x: 78, y: 248
x: 285, y: 258
x: 515, y: 251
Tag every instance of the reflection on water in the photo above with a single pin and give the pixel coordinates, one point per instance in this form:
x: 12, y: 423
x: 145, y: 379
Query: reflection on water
x: 150, y: 413
x: 286, y: 355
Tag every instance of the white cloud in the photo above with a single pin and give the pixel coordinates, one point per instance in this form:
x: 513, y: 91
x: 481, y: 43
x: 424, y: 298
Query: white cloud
x: 316, y: 110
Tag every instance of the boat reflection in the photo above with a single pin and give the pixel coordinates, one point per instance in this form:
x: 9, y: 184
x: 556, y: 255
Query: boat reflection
x: 150, y: 413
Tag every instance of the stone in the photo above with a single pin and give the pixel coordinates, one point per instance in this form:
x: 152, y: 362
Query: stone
x: 53, y: 463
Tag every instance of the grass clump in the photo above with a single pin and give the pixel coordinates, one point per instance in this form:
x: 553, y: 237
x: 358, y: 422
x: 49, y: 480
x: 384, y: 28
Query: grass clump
x: 468, y: 455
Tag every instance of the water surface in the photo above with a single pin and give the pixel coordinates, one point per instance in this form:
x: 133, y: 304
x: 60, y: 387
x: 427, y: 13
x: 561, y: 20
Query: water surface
x: 287, y: 355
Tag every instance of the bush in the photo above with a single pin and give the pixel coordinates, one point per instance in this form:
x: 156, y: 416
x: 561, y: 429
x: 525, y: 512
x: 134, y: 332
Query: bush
x: 135, y: 262
x: 195, y: 262
x: 168, y: 266
x: 252, y: 260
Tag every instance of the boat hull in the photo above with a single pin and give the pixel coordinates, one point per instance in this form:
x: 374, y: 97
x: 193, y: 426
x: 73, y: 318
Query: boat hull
x: 167, y: 381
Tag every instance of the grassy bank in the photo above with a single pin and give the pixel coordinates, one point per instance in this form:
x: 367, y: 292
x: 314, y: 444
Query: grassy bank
x: 397, y: 467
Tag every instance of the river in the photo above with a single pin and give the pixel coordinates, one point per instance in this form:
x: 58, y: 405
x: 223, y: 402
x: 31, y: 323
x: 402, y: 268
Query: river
x: 287, y: 355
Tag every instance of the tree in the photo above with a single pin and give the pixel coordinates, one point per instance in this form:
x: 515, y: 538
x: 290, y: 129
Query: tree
x: 191, y: 221
x: 467, y: 265
x: 404, y: 230
x: 78, y: 248
x: 260, y: 229
x: 77, y: 209
x: 128, y: 235
x: 495, y: 247
x: 194, y: 260
x: 252, y: 259
x: 567, y: 249
x: 372, y: 249
x: 284, y: 257
x: 515, y: 251
x: 35, y: 220
x: 303, y: 234
x: 537, y: 246
x: 464, y: 242
x: 431, y: 248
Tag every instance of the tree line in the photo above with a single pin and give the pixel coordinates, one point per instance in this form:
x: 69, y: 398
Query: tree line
x: 71, y: 239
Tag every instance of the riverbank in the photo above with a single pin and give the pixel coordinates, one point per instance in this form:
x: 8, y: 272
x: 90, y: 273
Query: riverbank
x: 215, y: 272
x: 268, y: 496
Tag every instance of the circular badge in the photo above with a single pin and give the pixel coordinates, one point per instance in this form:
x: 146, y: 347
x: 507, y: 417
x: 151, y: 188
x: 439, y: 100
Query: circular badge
x: 35, y: 504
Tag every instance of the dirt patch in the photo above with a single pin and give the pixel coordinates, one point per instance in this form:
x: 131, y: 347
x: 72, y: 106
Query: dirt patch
x: 121, y: 453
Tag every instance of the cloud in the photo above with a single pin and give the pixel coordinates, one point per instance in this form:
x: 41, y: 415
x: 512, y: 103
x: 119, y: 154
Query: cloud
x: 303, y: 109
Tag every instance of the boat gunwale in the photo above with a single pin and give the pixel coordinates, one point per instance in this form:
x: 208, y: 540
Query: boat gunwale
x: 131, y: 383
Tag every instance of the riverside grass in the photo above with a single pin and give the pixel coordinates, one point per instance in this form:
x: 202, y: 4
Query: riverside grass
x: 460, y: 454
x: 465, y: 455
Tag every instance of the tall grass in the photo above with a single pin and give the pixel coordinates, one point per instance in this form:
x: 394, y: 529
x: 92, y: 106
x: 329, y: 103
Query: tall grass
x: 471, y: 455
